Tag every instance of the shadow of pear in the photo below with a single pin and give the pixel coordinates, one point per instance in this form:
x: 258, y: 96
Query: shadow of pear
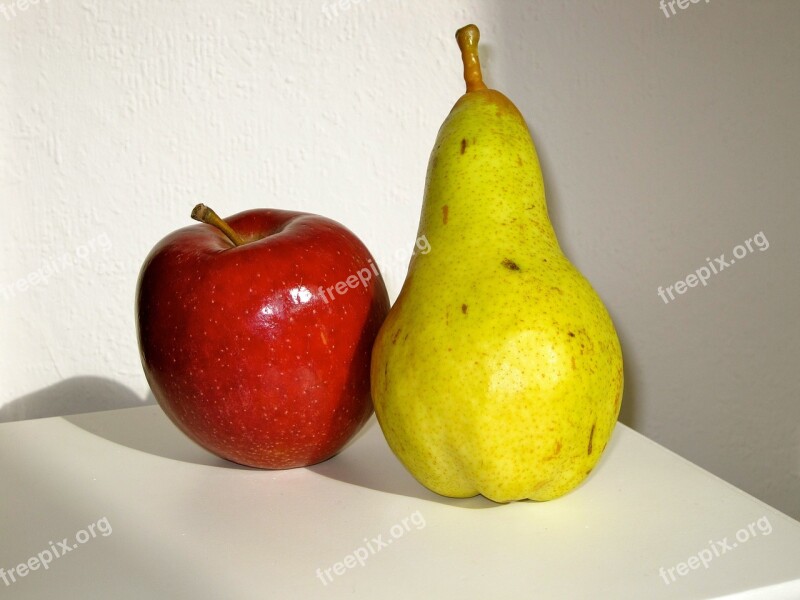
x: 369, y: 462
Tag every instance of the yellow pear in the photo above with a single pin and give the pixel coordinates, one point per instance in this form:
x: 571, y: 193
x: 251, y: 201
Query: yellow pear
x: 498, y: 370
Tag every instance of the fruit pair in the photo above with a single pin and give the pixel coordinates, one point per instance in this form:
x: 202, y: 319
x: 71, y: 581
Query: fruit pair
x: 497, y: 371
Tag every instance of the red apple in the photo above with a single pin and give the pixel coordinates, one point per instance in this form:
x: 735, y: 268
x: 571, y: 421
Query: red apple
x: 255, y: 334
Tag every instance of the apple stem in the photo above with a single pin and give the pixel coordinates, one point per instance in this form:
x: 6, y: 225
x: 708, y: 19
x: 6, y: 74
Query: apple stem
x: 468, y: 38
x: 206, y: 215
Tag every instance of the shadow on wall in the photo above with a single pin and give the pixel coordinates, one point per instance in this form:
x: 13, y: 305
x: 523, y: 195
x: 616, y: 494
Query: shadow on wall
x: 628, y: 413
x: 72, y: 396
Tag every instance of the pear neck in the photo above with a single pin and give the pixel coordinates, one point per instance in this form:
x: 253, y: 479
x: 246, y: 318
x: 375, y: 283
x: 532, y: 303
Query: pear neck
x: 468, y: 38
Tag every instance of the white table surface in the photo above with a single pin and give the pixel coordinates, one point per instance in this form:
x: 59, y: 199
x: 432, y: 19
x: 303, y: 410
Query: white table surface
x: 185, y: 524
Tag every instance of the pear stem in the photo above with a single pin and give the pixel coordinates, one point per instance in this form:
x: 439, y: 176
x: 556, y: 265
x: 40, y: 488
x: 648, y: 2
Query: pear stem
x: 468, y: 38
x: 206, y: 215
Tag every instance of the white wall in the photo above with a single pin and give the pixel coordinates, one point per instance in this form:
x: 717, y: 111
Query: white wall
x: 663, y: 140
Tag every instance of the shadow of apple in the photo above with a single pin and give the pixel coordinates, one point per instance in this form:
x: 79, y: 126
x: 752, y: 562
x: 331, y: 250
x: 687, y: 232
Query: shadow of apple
x: 149, y: 431
x: 72, y: 396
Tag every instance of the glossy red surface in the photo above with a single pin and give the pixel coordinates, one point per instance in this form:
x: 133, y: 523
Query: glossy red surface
x: 244, y: 348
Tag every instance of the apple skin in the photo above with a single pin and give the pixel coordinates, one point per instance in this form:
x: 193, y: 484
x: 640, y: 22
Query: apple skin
x: 241, y: 348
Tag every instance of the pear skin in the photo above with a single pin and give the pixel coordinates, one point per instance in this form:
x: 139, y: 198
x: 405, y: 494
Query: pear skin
x: 498, y: 370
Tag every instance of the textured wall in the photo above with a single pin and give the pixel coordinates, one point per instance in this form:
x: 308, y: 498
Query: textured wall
x: 664, y: 140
